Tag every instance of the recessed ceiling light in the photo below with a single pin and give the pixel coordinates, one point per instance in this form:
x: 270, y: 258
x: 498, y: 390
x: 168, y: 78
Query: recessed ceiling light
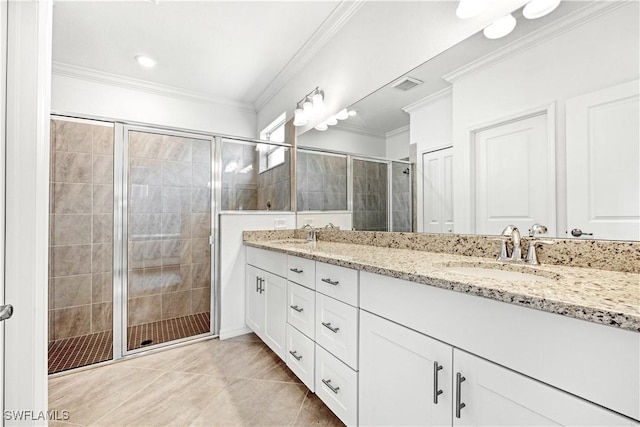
x: 146, y: 61
x: 500, y: 27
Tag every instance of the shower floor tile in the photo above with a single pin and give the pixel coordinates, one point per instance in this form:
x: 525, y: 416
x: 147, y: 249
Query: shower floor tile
x: 88, y: 349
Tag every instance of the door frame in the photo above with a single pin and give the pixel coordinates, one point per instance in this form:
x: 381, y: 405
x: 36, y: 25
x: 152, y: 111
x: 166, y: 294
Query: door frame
x: 466, y: 181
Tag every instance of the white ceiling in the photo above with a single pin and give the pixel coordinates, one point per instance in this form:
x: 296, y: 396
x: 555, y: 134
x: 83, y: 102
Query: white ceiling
x: 231, y: 50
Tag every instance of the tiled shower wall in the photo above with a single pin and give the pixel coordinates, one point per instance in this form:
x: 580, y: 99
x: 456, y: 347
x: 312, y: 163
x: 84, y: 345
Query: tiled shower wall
x: 81, y: 229
x: 321, y: 181
x: 169, y: 225
x: 401, y: 193
x: 244, y: 187
x: 370, y: 195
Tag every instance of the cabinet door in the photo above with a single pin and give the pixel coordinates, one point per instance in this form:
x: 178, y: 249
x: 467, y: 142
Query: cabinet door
x: 399, y: 375
x: 254, y: 300
x: 275, y: 293
x: 490, y: 394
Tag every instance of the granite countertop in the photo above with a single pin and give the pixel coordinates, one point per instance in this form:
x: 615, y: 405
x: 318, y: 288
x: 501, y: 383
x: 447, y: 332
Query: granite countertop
x: 601, y: 296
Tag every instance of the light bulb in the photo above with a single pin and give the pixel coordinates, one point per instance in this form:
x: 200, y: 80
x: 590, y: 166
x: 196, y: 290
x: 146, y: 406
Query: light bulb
x: 322, y: 126
x: 539, y: 8
x: 500, y: 27
x: 318, y: 103
x: 342, y: 114
x: 331, y: 121
x: 353, y: 113
x: 307, y: 107
x: 298, y: 117
x: 470, y: 8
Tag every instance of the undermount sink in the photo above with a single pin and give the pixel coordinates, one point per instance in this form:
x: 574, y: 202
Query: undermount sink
x: 507, y: 272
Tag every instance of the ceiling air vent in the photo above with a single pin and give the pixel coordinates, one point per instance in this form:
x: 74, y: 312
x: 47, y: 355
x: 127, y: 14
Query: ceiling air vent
x: 407, y: 83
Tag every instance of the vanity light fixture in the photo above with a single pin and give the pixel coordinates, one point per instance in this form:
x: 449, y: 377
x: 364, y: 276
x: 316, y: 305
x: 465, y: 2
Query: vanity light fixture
x: 353, y: 113
x: 342, y: 114
x: 146, y: 61
x: 500, y: 27
x: 332, y: 121
x: 322, y: 126
x: 470, y: 8
x: 308, y: 107
x: 539, y: 8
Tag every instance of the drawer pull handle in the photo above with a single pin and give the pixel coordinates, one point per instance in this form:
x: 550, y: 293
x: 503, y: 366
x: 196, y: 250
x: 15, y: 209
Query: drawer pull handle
x: 295, y: 270
x: 331, y: 282
x: 436, y: 367
x: 328, y: 326
x: 333, y: 389
x: 459, y: 405
x: 296, y: 308
x: 293, y: 353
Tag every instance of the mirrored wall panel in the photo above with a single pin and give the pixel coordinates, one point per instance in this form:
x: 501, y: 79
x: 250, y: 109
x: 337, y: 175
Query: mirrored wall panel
x: 168, y: 228
x: 321, y: 181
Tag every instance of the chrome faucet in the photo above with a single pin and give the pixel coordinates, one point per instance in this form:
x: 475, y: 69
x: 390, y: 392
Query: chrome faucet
x: 311, y: 233
x: 512, y: 233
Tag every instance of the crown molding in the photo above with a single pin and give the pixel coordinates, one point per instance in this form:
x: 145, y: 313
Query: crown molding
x: 398, y: 131
x: 535, y: 38
x: 427, y: 99
x: 359, y: 130
x: 101, y: 77
x: 325, y: 32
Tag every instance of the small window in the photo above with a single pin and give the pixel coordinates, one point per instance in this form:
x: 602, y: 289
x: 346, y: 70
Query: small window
x: 270, y: 155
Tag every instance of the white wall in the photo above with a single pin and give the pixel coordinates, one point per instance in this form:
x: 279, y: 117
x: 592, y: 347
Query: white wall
x: 586, y: 58
x: 232, y: 268
x: 398, y: 144
x: 431, y: 128
x: 381, y: 41
x: 344, y: 140
x: 104, y: 96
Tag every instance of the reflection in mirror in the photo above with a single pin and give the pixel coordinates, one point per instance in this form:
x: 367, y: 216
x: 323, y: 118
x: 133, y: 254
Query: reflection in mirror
x: 321, y: 181
x: 255, y: 176
x: 539, y: 126
x: 370, y: 188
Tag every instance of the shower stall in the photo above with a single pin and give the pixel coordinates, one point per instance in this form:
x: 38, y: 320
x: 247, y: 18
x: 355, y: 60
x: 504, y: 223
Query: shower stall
x: 131, y: 235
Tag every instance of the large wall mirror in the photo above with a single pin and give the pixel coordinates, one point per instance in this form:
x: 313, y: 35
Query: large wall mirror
x: 539, y: 126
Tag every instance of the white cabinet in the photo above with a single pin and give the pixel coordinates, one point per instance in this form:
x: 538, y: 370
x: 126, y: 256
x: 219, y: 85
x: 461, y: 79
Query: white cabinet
x: 337, y: 282
x: 486, y: 394
x: 300, y: 356
x: 337, y: 386
x: 405, y: 377
x: 266, y: 299
x: 301, y: 271
x: 337, y: 329
x: 301, y: 309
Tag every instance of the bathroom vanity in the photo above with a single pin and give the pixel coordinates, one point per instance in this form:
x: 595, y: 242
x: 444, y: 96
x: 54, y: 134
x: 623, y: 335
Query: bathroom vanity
x: 388, y: 336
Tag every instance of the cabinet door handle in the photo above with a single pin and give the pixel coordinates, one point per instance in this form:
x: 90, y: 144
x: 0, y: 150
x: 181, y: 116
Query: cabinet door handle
x: 261, y: 285
x: 333, y: 389
x: 459, y: 404
x: 293, y: 353
x: 295, y: 270
x: 328, y: 326
x: 257, y: 284
x: 296, y: 308
x: 436, y: 367
x: 331, y: 282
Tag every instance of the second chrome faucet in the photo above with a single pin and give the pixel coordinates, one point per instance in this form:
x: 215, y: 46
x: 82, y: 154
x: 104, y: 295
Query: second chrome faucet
x: 511, y: 233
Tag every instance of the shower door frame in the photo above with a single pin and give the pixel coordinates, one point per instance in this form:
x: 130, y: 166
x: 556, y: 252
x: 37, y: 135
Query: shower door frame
x: 121, y: 234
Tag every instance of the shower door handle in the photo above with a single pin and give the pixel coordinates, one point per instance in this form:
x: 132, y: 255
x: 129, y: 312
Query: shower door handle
x: 6, y: 311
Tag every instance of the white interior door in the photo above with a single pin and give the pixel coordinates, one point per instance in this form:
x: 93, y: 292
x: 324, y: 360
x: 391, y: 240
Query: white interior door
x: 603, y: 163
x: 437, y: 167
x: 514, y: 176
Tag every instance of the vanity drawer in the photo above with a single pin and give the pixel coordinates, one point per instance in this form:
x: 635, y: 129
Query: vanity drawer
x: 301, y: 308
x: 273, y: 262
x: 337, y: 386
x: 301, y: 271
x: 300, y: 356
x: 337, y: 329
x: 337, y: 282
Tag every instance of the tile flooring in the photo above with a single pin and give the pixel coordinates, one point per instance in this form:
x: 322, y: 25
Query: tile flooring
x: 88, y: 349
x: 236, y: 382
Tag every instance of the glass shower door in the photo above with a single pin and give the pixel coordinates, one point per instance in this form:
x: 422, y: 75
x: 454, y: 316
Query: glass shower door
x: 168, y: 226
